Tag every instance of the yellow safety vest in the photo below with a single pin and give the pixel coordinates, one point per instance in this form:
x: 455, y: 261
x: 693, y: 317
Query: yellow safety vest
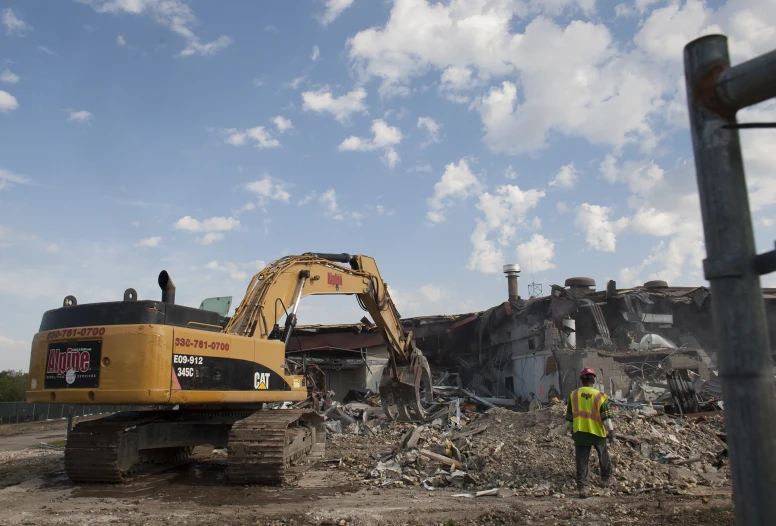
x: 586, y: 405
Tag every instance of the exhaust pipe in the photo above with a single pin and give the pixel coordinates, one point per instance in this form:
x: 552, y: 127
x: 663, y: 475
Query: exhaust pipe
x: 167, y: 286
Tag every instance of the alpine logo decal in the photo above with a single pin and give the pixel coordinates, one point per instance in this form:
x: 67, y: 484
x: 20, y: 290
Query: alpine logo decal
x: 73, y: 364
x: 261, y: 381
x: 60, y: 362
x: 335, y: 279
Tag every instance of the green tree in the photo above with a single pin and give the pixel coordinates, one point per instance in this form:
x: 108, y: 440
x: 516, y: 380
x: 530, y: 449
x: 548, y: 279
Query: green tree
x: 13, y: 386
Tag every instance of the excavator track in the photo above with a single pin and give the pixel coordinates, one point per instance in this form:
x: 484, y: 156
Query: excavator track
x: 263, y: 445
x: 260, y: 444
x: 105, y: 450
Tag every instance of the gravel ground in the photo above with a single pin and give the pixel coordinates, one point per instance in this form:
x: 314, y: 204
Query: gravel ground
x: 35, y: 490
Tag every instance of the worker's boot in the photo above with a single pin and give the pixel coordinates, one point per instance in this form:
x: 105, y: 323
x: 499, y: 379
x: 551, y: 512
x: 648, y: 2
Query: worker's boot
x: 582, y: 492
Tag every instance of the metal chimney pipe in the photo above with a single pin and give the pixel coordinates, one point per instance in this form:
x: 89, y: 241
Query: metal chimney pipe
x: 512, y: 270
x: 167, y: 286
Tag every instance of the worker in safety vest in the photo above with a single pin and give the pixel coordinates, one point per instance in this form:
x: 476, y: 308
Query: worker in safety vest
x: 591, y: 424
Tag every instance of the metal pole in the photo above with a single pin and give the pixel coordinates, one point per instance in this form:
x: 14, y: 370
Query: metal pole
x: 738, y: 309
x: 749, y: 83
x: 70, y: 415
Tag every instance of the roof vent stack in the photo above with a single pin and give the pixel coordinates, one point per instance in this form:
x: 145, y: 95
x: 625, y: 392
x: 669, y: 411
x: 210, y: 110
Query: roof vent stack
x: 512, y: 271
x: 656, y: 284
x: 580, y: 284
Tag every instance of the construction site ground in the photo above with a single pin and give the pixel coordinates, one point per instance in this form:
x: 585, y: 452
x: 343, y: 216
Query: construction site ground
x: 35, y: 490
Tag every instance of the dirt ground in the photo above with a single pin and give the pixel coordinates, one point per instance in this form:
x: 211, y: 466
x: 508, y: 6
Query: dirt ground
x: 35, y: 490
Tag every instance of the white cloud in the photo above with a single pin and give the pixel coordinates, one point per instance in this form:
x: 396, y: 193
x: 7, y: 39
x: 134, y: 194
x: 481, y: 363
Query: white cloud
x: 9, y: 179
x: 306, y: 199
x: 601, y: 232
x: 510, y: 173
x: 561, y: 207
x: 455, y: 78
x: 432, y: 127
x: 457, y: 181
x: 316, y: 53
x: 385, y: 138
x: 214, y: 224
x: 260, y: 135
x: 121, y: 41
x: 640, y: 176
x: 247, y: 207
x: 209, y: 238
x: 486, y: 257
x: 537, y: 252
x: 334, y: 9
x: 269, y: 28
x: 382, y: 211
x: 258, y: 82
x: 507, y: 209
x: 673, y: 256
x: 236, y: 271
x: 666, y: 207
x: 7, y: 102
x: 154, y: 241
x: 9, y: 76
x: 331, y: 207
x: 384, y: 135
x: 295, y: 83
x: 81, y: 116
x: 668, y: 29
x: 407, y: 304
x: 571, y: 77
x: 432, y: 293
x: 47, y: 51
x: 13, y: 24
x: 655, y: 222
x: 52, y: 248
x: 390, y: 158
x: 508, y: 205
x: 322, y: 101
x: 566, y: 177
x: 282, y: 124
x: 268, y: 188
x: 504, y: 212
x: 174, y: 14
x: 421, y: 168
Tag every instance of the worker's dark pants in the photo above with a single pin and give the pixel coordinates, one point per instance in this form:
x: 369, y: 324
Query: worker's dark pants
x: 583, y: 460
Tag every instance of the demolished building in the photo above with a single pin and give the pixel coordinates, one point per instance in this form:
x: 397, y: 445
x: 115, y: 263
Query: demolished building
x: 533, y: 349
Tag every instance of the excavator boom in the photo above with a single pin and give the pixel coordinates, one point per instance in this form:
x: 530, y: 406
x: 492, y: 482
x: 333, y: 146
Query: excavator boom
x: 278, y: 289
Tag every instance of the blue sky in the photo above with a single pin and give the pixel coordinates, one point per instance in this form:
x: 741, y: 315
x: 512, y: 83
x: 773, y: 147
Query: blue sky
x: 444, y: 139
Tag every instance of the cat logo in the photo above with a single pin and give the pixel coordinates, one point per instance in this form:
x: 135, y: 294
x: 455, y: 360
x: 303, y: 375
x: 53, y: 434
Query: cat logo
x: 261, y: 381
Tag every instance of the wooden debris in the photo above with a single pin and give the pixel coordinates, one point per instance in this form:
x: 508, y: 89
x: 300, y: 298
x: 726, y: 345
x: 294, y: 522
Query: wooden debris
x: 441, y: 458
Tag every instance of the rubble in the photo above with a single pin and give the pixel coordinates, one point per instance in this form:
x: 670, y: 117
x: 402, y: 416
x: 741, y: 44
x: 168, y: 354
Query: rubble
x: 531, y: 454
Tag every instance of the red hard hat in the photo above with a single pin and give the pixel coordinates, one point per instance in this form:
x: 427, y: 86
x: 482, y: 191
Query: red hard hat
x: 586, y: 371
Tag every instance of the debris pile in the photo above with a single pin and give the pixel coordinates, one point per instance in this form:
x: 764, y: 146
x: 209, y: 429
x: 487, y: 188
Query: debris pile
x: 530, y: 453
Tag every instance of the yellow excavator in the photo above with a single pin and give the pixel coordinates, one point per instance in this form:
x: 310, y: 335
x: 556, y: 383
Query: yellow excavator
x: 204, y: 379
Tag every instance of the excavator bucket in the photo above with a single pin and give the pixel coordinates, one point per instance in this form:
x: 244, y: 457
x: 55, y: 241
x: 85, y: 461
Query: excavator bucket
x: 405, y: 391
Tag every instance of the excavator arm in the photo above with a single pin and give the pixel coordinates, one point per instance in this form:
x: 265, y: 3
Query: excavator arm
x: 405, y: 386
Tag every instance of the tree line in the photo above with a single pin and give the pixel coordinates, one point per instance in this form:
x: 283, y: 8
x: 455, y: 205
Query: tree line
x: 13, y: 386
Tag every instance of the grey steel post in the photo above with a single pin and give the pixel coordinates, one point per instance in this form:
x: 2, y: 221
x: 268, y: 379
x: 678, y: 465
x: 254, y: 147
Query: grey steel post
x: 715, y: 92
x: 70, y: 415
